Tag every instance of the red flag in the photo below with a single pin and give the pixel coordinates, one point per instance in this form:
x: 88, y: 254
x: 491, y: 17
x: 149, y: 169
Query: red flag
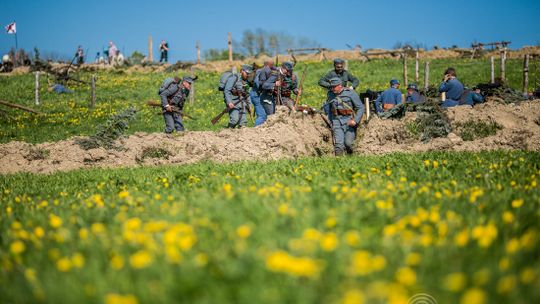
x: 11, y: 28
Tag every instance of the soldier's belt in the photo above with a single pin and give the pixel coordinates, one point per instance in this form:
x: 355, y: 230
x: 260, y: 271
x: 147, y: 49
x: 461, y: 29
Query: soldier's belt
x: 388, y: 106
x: 342, y: 112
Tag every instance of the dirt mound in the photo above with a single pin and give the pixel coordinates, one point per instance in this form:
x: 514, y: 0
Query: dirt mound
x: 282, y: 136
x: 519, y: 128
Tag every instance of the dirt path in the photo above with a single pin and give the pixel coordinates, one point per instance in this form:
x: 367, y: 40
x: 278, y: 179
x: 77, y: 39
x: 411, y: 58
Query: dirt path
x: 283, y: 136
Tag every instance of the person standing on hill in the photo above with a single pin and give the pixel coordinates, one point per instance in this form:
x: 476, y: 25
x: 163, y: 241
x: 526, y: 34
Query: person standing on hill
x: 389, y: 98
x: 164, y: 50
x: 113, y: 52
x: 261, y: 75
x: 344, y: 109
x: 80, y: 55
x: 279, y: 87
x: 173, y: 94
x: 452, y: 87
x: 236, y: 97
x: 339, y: 71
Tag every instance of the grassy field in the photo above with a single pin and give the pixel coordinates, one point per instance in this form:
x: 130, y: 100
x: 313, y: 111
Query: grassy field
x: 462, y: 227
x: 68, y: 115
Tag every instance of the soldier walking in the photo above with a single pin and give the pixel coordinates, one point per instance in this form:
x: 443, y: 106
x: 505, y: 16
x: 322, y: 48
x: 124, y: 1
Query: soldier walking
x: 236, y: 97
x: 277, y: 89
x: 261, y: 75
x: 344, y: 109
x: 173, y: 93
x: 348, y: 79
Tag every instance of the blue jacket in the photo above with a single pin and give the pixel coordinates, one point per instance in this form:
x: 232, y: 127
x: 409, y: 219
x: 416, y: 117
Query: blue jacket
x: 390, y: 96
x: 261, y: 75
x: 415, y: 97
x: 474, y: 98
x: 453, y: 88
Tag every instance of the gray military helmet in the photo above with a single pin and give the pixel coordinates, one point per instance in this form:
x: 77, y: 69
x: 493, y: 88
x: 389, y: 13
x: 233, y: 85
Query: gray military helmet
x: 288, y: 65
x: 335, y: 81
x: 247, y: 68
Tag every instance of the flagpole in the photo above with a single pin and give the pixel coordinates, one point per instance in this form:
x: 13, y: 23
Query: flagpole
x: 16, y: 43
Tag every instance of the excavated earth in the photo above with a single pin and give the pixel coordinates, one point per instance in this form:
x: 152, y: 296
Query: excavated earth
x: 283, y: 136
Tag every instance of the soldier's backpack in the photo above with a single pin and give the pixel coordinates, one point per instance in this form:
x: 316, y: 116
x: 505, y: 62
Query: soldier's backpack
x: 223, y: 80
x: 166, y: 84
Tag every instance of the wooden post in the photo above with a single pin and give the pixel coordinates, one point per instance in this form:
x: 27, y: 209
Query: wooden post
x: 192, y: 89
x: 503, y: 65
x: 405, y: 80
x: 443, y: 96
x: 492, y: 59
x: 150, y: 49
x: 366, y: 101
x: 37, y: 88
x: 426, y: 75
x: 93, y: 96
x: 526, y: 74
x: 198, y: 46
x: 416, y: 68
x: 346, y: 65
x: 230, y: 48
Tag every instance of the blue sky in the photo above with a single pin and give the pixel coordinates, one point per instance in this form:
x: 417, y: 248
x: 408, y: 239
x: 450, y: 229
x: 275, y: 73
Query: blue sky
x: 61, y: 25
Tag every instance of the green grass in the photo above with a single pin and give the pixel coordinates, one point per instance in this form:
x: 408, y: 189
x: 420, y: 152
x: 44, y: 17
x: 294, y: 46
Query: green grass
x: 69, y: 115
x: 313, y: 230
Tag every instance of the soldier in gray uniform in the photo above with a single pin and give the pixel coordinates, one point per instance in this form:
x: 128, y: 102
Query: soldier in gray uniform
x: 279, y: 87
x: 339, y: 71
x: 344, y: 109
x: 236, y: 97
x: 173, y: 93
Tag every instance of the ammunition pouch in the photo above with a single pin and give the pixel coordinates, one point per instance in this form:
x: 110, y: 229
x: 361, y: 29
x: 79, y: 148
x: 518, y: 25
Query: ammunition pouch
x: 237, y: 92
x: 342, y: 112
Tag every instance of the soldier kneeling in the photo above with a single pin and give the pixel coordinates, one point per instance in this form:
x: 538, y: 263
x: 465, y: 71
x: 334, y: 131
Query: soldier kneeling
x: 344, y: 109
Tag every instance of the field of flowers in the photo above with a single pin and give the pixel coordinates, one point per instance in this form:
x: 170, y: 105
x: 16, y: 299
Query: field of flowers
x: 69, y: 115
x: 461, y: 227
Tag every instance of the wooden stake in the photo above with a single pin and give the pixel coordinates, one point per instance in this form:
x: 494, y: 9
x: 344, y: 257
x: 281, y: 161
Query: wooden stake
x: 416, y: 68
x: 93, y: 96
x: 366, y: 101
x: 426, y: 75
x: 492, y: 59
x: 37, y: 88
x: 443, y: 96
x: 192, y: 90
x: 198, y: 46
x: 526, y: 74
x: 230, y: 48
x: 150, y: 49
x: 346, y: 65
x: 405, y: 80
x: 503, y: 65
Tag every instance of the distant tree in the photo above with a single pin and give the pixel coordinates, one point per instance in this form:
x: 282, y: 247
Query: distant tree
x: 217, y: 54
x: 258, y: 42
x: 136, y: 57
x: 248, y: 42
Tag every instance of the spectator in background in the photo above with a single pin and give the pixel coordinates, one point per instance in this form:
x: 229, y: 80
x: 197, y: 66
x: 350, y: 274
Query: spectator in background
x: 164, y: 50
x: 80, y: 55
x: 113, y: 51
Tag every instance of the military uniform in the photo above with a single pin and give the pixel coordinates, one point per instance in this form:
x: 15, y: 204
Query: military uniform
x: 173, y: 93
x: 413, y: 96
x: 261, y: 75
x: 237, y: 92
x: 341, y: 108
x: 289, y: 85
x: 389, y: 98
x: 346, y: 77
x: 453, y: 89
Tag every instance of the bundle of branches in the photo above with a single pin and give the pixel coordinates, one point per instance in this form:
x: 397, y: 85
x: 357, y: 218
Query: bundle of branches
x: 109, y: 132
x: 431, y: 92
x: 431, y: 121
x: 396, y: 112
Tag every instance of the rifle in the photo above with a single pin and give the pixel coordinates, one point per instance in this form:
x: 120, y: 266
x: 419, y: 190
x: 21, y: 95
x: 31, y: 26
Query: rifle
x: 301, y: 87
x: 278, y: 97
x: 218, y: 117
x: 329, y: 125
x: 175, y: 109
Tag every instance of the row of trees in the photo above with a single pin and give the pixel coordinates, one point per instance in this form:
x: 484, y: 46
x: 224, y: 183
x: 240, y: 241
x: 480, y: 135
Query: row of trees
x: 261, y: 42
